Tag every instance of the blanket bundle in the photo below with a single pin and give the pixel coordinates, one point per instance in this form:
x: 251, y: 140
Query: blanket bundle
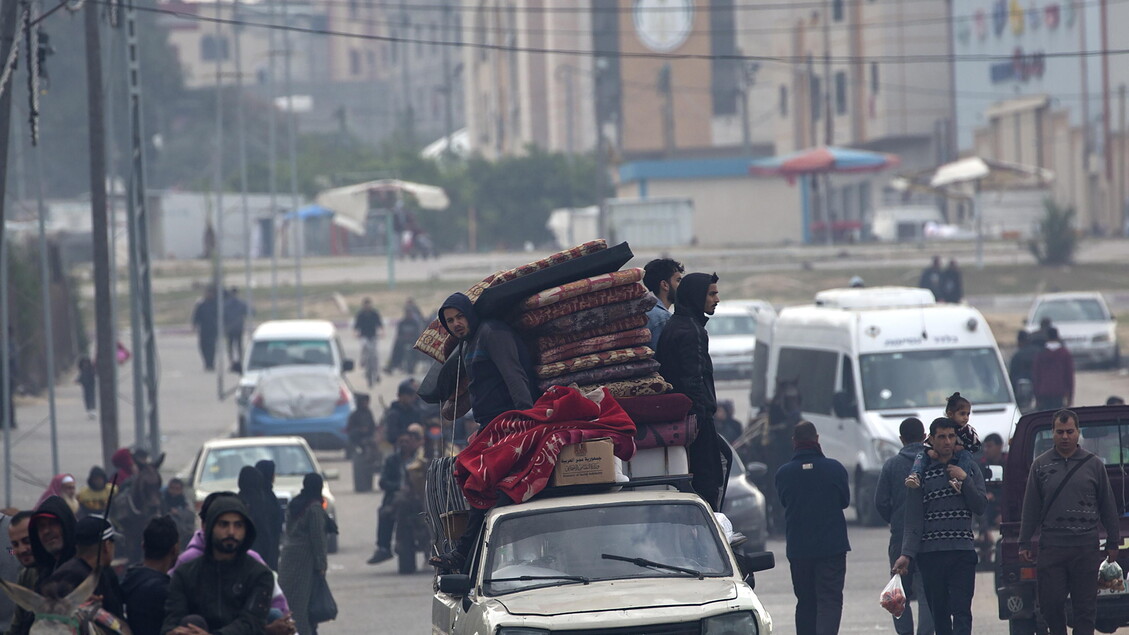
x: 517, y: 451
x: 592, y: 332
x: 661, y: 420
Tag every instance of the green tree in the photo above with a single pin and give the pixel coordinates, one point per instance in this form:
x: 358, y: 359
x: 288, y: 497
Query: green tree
x: 1056, y: 240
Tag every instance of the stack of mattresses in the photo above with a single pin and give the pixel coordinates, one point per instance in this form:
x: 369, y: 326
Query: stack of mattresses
x: 592, y: 332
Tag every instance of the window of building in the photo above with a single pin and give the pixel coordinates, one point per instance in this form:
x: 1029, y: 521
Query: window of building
x: 874, y: 78
x: 783, y: 100
x: 837, y: 10
x: 841, y: 93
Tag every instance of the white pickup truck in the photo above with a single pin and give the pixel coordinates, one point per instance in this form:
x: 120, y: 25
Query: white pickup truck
x: 616, y: 563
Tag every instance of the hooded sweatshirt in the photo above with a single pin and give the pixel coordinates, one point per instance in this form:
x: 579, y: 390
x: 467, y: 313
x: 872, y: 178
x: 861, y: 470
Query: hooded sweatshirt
x: 684, y: 346
x: 496, y: 361
x: 44, y: 561
x: 233, y: 595
x: 94, y: 501
x: 195, y: 549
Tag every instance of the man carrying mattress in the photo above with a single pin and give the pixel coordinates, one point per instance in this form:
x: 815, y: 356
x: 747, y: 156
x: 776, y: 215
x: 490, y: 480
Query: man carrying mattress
x: 684, y: 353
x: 496, y: 361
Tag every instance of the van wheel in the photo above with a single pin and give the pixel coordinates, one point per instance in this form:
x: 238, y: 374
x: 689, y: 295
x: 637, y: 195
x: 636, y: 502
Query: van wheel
x: 864, y: 502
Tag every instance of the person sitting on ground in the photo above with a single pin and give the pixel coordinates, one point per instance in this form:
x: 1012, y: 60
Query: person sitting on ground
x: 146, y: 585
x: 230, y: 590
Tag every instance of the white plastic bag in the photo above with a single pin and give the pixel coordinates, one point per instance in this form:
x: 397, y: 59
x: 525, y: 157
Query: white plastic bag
x: 1111, y: 577
x: 893, y: 597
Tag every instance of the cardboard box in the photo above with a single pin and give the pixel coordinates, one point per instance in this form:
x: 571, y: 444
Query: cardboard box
x: 585, y: 463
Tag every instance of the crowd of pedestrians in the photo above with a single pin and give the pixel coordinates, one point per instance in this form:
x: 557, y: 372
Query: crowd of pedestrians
x: 220, y: 578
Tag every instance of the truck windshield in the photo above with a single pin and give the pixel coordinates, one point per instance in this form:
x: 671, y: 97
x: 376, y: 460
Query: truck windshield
x: 1106, y: 440
x: 921, y: 379
x: 553, y: 547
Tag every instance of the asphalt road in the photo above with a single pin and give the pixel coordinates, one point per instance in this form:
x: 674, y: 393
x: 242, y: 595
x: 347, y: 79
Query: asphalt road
x: 375, y: 599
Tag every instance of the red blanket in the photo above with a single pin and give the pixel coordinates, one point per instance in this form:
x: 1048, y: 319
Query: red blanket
x: 517, y: 451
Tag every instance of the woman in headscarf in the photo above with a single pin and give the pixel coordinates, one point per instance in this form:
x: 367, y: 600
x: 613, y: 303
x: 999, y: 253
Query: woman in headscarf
x: 304, y: 553
x: 96, y: 494
x: 63, y: 486
x: 253, y: 491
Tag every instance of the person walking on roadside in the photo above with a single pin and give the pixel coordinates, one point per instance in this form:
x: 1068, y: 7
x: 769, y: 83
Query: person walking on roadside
x: 661, y: 277
x: 931, y: 278
x: 304, y: 554
x: 393, y: 478
x: 938, y: 535
x: 262, y: 507
x: 1068, y: 495
x: 952, y: 284
x: 815, y: 490
x: 368, y: 325
x: 235, y: 313
x: 890, y: 501
x: 206, y: 326
x: 1053, y: 374
x: 88, y: 379
x: 684, y: 358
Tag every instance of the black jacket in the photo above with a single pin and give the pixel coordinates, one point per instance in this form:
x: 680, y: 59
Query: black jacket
x: 814, y: 491
x: 232, y: 595
x: 44, y: 561
x: 73, y: 572
x: 145, y: 591
x: 684, y: 347
x: 496, y: 361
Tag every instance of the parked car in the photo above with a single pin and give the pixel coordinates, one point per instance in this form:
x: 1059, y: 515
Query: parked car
x: 1085, y: 325
x: 744, y: 503
x: 287, y: 343
x: 1104, y: 432
x: 616, y: 562
x: 733, y: 339
x: 218, y: 462
x: 311, y: 402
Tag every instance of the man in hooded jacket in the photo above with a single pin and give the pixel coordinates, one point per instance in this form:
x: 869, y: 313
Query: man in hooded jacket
x: 51, y: 532
x: 497, y: 362
x: 229, y: 589
x: 684, y: 355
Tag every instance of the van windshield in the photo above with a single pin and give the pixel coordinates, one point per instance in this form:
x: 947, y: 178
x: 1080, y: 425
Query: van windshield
x: 920, y: 379
x: 271, y: 353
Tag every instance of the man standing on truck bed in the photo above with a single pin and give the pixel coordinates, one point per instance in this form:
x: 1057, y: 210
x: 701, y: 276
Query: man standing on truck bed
x: 684, y: 353
x: 1067, y: 495
x: 938, y: 532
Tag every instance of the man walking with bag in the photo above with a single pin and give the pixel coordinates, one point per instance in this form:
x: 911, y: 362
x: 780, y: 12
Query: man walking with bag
x: 1068, y: 495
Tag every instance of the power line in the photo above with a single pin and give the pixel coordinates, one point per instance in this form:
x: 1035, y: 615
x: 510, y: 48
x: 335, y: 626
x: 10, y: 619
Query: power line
x: 796, y: 59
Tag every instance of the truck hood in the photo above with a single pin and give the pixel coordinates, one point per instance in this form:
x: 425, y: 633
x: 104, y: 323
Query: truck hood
x: 619, y: 595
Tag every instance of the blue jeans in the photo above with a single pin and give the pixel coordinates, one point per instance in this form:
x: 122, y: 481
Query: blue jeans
x: 950, y: 581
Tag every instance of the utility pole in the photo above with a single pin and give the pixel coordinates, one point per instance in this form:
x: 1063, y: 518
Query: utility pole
x: 1121, y: 213
x: 406, y: 75
x: 448, y: 80
x: 8, y: 25
x: 297, y: 227
x: 217, y: 178
x: 248, y: 243
x: 828, y: 121
x: 667, y: 94
x: 602, y: 224
x: 272, y: 159
x: 141, y: 278
x: 106, y: 341
x: 1087, y: 131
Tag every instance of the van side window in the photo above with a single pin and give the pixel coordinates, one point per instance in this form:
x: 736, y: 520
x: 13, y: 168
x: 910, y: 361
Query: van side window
x: 815, y: 373
x: 847, y: 379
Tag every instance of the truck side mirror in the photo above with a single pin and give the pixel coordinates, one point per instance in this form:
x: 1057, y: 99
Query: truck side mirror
x: 844, y: 405
x: 346, y: 365
x: 457, y: 584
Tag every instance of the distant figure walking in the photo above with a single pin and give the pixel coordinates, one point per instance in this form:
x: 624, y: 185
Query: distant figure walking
x: 88, y: 379
x: 304, y: 554
x: 205, y: 324
x: 235, y: 313
x: 1053, y: 374
x: 931, y: 278
x: 952, y: 284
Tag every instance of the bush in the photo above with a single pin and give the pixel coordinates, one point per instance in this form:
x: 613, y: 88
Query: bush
x: 1056, y: 240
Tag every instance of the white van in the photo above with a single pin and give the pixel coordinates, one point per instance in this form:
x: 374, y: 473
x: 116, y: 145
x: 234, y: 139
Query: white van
x: 865, y: 359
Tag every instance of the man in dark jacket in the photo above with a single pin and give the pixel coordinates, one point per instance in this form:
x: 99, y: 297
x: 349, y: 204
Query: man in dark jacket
x: 684, y: 353
x: 952, y: 284
x: 229, y: 589
x: 392, y: 478
x: 814, y: 491
x: 94, y: 540
x: 403, y: 412
x: 890, y: 501
x: 931, y: 278
x: 205, y: 323
x: 146, y: 585
x: 51, y: 531
x: 1022, y: 364
x: 1053, y: 374
x: 18, y: 620
x: 497, y: 362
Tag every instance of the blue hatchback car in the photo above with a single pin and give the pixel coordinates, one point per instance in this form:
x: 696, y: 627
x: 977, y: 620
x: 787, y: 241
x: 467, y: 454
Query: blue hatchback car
x: 312, y: 402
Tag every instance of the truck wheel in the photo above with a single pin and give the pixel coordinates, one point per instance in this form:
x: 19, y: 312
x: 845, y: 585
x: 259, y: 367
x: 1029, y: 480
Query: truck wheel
x: 864, y: 502
x: 362, y: 474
